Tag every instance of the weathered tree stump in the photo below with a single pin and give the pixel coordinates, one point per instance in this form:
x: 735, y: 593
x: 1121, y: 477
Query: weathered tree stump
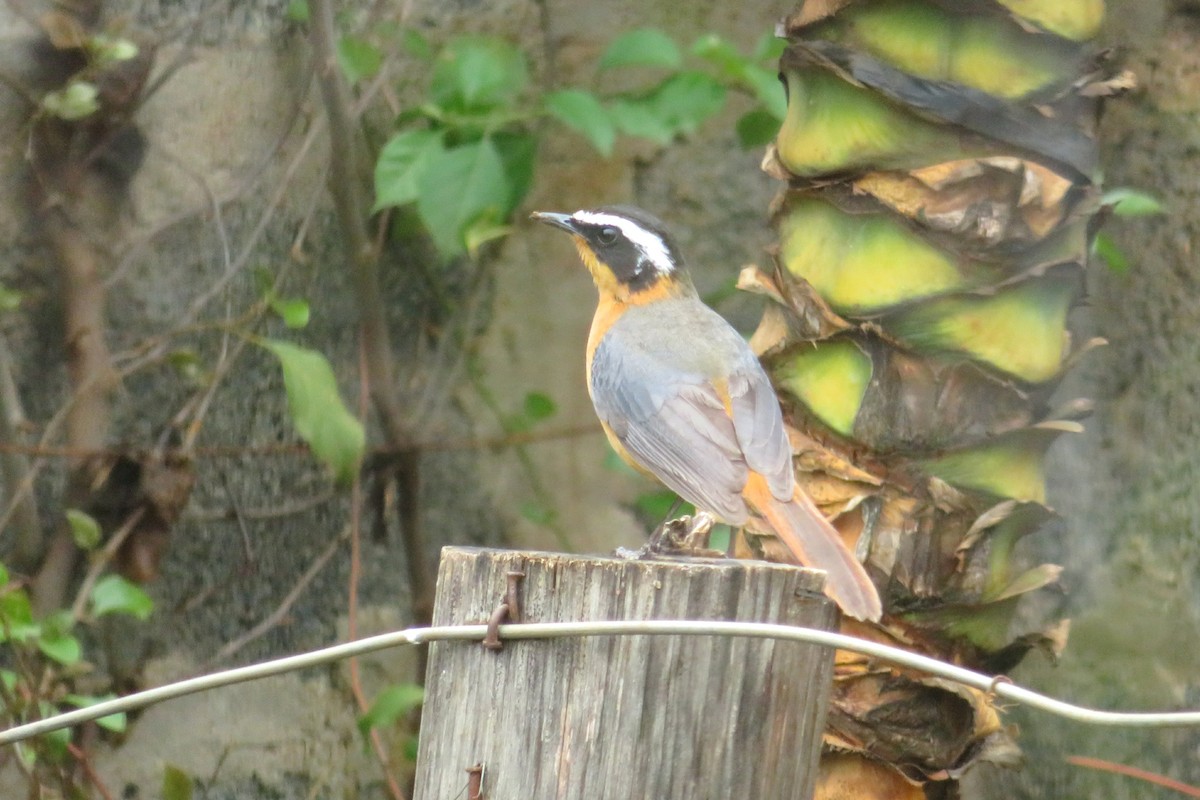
x: 625, y: 717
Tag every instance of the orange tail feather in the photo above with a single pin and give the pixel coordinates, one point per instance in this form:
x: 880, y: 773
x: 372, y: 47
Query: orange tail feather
x: 814, y: 542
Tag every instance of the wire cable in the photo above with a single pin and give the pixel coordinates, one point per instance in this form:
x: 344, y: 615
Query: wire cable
x: 554, y: 630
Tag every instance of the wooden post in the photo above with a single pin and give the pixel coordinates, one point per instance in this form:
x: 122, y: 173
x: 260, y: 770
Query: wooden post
x: 629, y: 717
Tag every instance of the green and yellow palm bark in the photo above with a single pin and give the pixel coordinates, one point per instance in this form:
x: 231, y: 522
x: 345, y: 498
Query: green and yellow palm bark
x: 940, y: 169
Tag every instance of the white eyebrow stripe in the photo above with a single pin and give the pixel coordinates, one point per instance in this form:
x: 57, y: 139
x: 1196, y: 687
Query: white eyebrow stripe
x: 650, y: 244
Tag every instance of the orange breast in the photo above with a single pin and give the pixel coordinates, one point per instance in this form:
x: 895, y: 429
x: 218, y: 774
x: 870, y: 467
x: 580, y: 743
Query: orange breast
x: 607, y: 312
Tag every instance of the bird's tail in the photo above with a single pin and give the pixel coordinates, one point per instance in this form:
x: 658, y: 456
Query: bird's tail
x: 814, y: 542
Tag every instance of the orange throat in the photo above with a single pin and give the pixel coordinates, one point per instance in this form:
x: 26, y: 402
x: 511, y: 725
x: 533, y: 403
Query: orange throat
x: 615, y: 303
x: 617, y: 297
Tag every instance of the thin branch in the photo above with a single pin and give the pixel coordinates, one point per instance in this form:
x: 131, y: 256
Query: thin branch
x: 273, y: 512
x: 243, y: 528
x: 92, y: 376
x: 1137, y: 773
x: 28, y: 539
x: 85, y: 762
x: 496, y: 442
x: 102, y: 559
x: 362, y: 259
x: 558, y: 630
x: 360, y: 697
x: 285, y: 605
x: 363, y: 264
x: 19, y: 89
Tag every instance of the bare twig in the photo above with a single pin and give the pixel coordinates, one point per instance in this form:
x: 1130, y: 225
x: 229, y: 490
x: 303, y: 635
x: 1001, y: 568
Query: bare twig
x: 91, y: 373
x: 102, y: 560
x: 497, y: 442
x: 351, y: 211
x: 363, y: 263
x: 247, y: 544
x: 24, y: 489
x: 277, y: 511
x: 360, y: 698
x: 27, y: 547
x: 289, y: 600
x: 85, y: 763
x: 1137, y: 773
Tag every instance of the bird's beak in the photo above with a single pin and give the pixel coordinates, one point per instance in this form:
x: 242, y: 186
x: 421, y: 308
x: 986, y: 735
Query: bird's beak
x: 564, y: 221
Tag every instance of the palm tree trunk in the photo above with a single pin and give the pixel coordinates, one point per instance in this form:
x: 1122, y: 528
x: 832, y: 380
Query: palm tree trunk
x: 939, y: 161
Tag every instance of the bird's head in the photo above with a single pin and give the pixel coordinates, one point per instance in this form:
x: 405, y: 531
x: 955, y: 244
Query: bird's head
x: 631, y: 256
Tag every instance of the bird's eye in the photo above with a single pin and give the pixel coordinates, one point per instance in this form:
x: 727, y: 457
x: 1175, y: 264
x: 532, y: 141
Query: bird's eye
x: 607, y: 235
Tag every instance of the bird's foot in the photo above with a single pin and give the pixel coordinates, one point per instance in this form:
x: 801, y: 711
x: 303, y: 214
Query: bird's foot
x: 685, y: 536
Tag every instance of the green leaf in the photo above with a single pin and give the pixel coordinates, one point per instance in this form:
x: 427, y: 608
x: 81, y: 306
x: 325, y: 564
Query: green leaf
x: 10, y: 299
x: 390, y: 705
x: 756, y: 128
x: 767, y: 89
x: 538, y: 513
x: 297, y: 11
x: 416, y: 44
x: 401, y: 163
x: 518, y: 153
x: 113, y: 722
x: 110, y: 49
x: 656, y: 505
x: 187, y: 363
x: 1128, y: 202
x: 457, y: 187
x: 335, y: 436
x: 769, y: 48
x: 16, y: 616
x: 583, y: 113
x: 482, y: 231
x: 411, y: 747
x: 56, y: 641
x: 539, y: 406
x: 763, y: 83
x: 1029, y: 581
x: 176, y: 784
x: 113, y: 594
x: 720, y: 537
x: 54, y: 743
x: 1113, y: 256
x: 294, y: 311
x: 76, y: 101
x: 358, y: 58
x: 641, y: 119
x: 474, y: 73
x: 84, y: 529
x: 645, y: 47
x: 721, y: 54
x: 26, y: 754
x: 3, y: 576
x: 685, y: 100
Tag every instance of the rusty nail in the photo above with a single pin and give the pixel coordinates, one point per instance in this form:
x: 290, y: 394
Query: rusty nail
x: 510, y: 596
x: 492, y: 640
x: 475, y: 782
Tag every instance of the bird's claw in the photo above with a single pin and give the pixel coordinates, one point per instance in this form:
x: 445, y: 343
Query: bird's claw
x: 685, y: 536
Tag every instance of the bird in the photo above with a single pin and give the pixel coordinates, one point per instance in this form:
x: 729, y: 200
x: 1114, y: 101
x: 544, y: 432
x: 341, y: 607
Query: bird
x: 682, y: 397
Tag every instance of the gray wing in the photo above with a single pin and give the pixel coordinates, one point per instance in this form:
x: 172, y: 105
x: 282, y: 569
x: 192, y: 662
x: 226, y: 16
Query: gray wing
x: 667, y: 413
x: 759, y: 426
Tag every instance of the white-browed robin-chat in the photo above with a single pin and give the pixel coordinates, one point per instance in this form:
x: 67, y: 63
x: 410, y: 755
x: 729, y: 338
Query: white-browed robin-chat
x: 682, y: 397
